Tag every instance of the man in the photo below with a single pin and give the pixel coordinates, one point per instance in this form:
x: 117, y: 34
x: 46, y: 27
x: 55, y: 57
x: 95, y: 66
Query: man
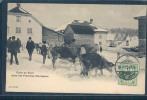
x: 44, y: 51
x: 101, y: 49
x: 30, y: 47
x: 19, y: 44
x: 13, y: 50
x: 8, y: 44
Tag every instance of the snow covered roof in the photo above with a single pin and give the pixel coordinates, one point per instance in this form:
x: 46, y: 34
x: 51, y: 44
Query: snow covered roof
x: 63, y: 26
x: 81, y: 22
x: 141, y: 14
x: 18, y: 10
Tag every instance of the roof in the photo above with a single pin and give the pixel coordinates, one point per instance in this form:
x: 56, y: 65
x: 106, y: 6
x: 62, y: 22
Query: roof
x: 18, y: 10
x: 81, y: 29
x: 97, y: 28
x: 52, y: 30
x: 141, y: 14
x: 81, y: 22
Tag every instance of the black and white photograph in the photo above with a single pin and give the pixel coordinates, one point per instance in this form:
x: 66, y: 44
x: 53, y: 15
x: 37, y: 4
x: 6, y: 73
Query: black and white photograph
x: 76, y: 48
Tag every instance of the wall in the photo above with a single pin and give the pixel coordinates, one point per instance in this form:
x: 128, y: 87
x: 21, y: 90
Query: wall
x: 24, y: 24
x: 84, y: 38
x: 52, y: 37
x: 68, y: 35
x: 142, y: 36
x: 103, y: 39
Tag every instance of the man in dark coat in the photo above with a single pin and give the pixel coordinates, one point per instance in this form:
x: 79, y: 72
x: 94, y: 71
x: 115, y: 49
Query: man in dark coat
x: 30, y: 47
x: 8, y: 44
x: 101, y: 49
x: 44, y: 51
x: 13, y: 50
x: 19, y: 44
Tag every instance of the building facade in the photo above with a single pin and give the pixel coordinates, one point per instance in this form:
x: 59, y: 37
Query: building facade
x: 100, y: 38
x: 52, y: 37
x: 82, y: 34
x: 141, y: 17
x: 85, y: 32
x: 22, y: 25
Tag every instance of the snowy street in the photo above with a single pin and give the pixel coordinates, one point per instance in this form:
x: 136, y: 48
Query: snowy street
x: 41, y: 77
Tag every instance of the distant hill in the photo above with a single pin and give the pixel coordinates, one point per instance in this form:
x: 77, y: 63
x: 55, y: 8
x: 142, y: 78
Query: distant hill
x: 121, y: 34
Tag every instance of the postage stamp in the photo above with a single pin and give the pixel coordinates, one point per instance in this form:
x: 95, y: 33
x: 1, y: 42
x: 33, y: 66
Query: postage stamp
x: 127, y: 69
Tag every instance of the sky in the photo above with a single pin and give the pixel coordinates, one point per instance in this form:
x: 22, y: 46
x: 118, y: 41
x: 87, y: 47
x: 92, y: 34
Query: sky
x: 106, y: 16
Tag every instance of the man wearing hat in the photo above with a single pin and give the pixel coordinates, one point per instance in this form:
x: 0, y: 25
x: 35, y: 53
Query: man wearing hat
x: 30, y: 47
x: 44, y: 51
x: 13, y: 50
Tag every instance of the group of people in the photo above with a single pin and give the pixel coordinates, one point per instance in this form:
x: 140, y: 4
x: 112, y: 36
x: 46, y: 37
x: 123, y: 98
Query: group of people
x: 13, y: 47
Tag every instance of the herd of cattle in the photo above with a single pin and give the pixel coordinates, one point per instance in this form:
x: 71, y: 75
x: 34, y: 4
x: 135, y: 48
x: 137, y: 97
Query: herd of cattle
x: 89, y: 59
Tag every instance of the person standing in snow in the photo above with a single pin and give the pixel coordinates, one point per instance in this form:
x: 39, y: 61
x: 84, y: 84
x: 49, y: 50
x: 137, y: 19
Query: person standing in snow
x: 13, y: 50
x: 30, y: 47
x: 101, y: 49
x: 44, y: 51
x: 19, y: 44
x: 8, y: 44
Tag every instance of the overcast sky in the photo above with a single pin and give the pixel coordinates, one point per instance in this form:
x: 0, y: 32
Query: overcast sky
x: 106, y: 16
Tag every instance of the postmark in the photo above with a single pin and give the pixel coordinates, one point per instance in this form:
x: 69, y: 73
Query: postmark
x: 127, y: 70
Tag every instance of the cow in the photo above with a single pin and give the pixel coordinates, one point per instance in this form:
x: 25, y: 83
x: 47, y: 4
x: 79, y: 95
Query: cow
x: 72, y: 51
x: 64, y: 52
x: 94, y: 61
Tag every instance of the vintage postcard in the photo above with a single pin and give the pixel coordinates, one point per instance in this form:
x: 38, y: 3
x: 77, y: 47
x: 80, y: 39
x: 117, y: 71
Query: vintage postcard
x: 76, y: 48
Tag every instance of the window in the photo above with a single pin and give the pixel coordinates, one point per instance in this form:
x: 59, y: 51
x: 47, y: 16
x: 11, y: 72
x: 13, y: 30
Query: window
x: 18, y: 18
x: 100, y: 36
x: 100, y: 43
x: 7, y: 29
x: 18, y: 30
x: 29, y: 30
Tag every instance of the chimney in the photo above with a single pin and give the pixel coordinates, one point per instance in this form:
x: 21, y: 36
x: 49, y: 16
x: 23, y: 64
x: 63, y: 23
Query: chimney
x: 91, y: 21
x: 18, y: 5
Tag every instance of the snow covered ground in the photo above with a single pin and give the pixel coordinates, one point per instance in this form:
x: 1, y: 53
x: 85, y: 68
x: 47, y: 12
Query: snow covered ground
x: 34, y: 76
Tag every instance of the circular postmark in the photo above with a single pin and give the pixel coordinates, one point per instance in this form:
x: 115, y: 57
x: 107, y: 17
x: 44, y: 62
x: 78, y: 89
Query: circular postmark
x: 127, y: 67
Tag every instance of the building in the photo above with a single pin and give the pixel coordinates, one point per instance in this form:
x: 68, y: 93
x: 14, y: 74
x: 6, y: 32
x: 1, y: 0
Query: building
x: 22, y: 25
x: 84, y: 32
x: 81, y: 33
x: 52, y: 37
x: 129, y: 42
x: 100, y: 37
x: 141, y: 17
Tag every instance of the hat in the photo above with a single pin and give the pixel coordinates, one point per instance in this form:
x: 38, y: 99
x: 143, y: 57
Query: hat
x: 13, y: 37
x: 44, y: 42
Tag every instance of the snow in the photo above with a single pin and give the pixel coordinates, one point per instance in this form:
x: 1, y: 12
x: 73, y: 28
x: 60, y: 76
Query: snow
x: 62, y: 27
x: 98, y: 28
x: 65, y: 79
x: 81, y: 21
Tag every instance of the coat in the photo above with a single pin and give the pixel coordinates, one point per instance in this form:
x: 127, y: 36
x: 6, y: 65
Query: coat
x: 19, y: 45
x: 8, y: 44
x: 30, y: 46
x: 13, y: 47
x: 44, y: 50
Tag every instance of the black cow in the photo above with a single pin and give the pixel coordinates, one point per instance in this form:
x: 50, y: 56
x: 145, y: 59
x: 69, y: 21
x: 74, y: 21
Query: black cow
x: 94, y: 60
x: 64, y: 52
